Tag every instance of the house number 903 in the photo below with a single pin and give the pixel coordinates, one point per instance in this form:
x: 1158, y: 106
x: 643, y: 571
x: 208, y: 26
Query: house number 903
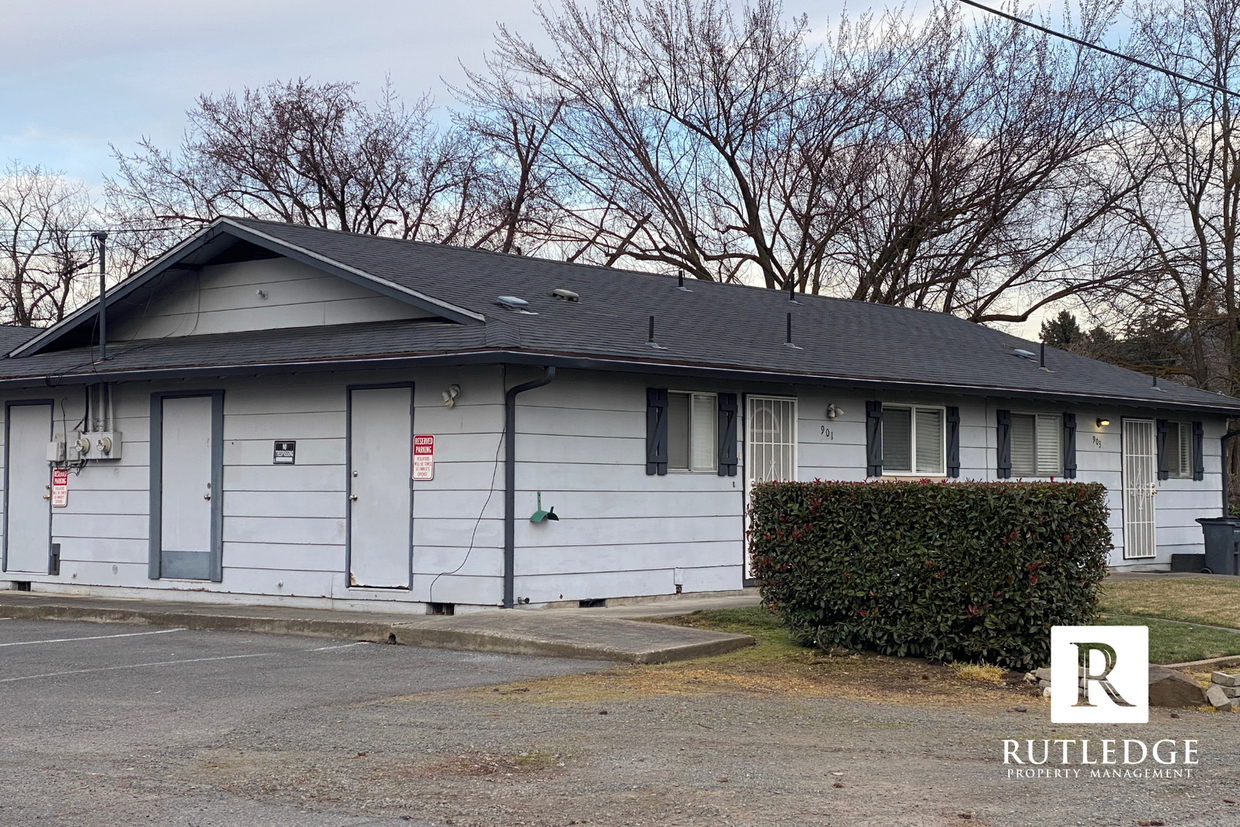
x: 826, y: 432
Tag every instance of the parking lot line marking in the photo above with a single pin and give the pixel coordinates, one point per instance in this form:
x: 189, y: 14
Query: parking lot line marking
x: 343, y: 646
x: 135, y: 666
x: 94, y: 637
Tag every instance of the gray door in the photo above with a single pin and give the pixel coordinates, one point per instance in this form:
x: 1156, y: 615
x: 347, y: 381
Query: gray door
x: 379, y: 489
x: 185, y: 488
x: 27, y: 502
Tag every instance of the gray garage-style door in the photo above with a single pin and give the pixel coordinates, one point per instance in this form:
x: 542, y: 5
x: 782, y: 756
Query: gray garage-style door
x: 28, y: 489
x: 379, y: 487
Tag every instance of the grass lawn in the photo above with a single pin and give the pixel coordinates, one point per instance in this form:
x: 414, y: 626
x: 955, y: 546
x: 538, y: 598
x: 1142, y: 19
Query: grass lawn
x: 1213, y: 601
x: 1177, y: 643
x: 1169, y: 642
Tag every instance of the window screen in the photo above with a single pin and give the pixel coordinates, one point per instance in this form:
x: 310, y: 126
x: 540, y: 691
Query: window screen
x: 912, y: 440
x: 705, y: 424
x: 1179, y: 450
x: 929, y: 440
x: 897, y: 440
x: 678, y: 431
x: 1035, y: 446
x: 692, y: 422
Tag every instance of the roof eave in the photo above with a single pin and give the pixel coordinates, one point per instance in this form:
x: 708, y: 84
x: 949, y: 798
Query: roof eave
x: 581, y: 362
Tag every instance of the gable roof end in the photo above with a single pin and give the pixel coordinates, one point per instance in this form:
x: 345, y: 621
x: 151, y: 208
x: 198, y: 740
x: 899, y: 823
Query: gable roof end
x: 213, y: 239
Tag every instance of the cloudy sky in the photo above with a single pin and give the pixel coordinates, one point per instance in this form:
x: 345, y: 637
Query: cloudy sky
x: 78, y: 75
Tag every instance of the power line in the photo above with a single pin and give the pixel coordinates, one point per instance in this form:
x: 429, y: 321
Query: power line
x: 1212, y: 87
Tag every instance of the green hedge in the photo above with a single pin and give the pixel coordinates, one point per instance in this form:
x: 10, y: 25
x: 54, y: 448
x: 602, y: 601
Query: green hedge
x: 946, y: 571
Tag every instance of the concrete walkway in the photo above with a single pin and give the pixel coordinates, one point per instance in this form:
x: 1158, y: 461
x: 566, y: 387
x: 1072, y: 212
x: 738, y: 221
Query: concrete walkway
x: 611, y: 633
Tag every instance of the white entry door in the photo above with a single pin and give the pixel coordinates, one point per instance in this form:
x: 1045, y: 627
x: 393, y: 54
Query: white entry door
x: 770, y: 447
x: 187, y: 501
x: 379, y: 487
x: 1140, y: 486
x: 28, y: 492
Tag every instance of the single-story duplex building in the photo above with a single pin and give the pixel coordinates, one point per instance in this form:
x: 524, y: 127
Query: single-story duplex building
x: 286, y: 414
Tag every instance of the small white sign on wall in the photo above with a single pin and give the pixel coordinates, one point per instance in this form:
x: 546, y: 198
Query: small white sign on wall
x: 60, y: 487
x: 424, y: 457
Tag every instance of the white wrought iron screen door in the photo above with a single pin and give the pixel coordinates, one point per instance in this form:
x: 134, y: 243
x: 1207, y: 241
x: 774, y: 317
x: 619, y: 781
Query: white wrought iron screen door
x: 770, y: 448
x: 1140, y: 486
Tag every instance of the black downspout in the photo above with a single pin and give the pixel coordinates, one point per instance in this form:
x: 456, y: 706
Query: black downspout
x: 1227, y: 437
x: 510, y: 482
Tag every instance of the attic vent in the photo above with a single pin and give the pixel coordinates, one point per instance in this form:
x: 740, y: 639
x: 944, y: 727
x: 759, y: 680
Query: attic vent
x: 565, y: 295
x: 1026, y: 354
x: 514, y: 303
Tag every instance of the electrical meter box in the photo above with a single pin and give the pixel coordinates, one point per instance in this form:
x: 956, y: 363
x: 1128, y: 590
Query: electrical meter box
x: 96, y: 445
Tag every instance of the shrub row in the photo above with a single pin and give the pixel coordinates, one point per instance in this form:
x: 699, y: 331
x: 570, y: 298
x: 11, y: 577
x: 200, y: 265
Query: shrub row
x: 947, y: 571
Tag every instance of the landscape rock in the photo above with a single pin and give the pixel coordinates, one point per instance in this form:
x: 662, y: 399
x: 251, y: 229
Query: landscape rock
x: 1043, y: 674
x: 1231, y: 691
x: 1217, y: 698
x: 1223, y: 679
x: 1174, y: 689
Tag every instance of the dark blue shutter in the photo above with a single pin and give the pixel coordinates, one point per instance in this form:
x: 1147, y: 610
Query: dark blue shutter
x: 727, y: 435
x: 1160, y: 442
x: 656, y: 431
x: 873, y: 439
x: 1199, y: 437
x: 1069, y: 446
x: 953, y: 442
x: 1003, y: 444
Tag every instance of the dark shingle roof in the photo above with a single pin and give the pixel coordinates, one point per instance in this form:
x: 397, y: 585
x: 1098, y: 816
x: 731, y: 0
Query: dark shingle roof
x: 710, y: 327
x: 11, y: 336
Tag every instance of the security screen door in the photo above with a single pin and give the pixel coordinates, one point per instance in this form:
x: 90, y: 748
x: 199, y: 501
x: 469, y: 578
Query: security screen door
x: 27, y: 503
x: 1140, y: 486
x: 186, y: 495
x: 380, y: 487
x: 770, y: 447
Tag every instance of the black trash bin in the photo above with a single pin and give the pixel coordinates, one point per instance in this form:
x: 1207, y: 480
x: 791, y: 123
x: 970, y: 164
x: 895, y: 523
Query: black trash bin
x: 1222, y: 544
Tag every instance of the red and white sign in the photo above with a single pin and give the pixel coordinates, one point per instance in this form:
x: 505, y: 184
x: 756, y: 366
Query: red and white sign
x: 60, y: 487
x: 424, y: 457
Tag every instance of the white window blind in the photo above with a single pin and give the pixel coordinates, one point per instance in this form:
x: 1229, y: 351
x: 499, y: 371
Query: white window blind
x: 705, y: 424
x: 897, y: 440
x: 1050, y: 458
x: 692, y: 421
x: 1180, y: 450
x: 1035, y: 446
x: 929, y: 440
x: 678, y: 431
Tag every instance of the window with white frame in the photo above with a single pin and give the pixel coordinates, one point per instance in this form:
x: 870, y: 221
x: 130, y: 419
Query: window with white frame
x: 692, y: 425
x: 912, y: 439
x: 1036, y: 444
x: 1180, y: 450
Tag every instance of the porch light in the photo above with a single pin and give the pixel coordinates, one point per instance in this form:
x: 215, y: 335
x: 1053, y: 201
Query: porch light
x: 1102, y: 423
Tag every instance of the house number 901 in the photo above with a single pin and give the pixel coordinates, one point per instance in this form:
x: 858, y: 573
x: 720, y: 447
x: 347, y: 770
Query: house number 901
x: 826, y: 432
x: 1097, y: 441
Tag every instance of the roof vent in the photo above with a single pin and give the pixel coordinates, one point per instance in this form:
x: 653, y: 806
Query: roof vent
x: 565, y: 295
x: 515, y: 304
x: 1025, y: 354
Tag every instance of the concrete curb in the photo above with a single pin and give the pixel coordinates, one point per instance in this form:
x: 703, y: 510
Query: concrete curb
x: 550, y: 634
x: 1226, y: 660
x: 516, y: 644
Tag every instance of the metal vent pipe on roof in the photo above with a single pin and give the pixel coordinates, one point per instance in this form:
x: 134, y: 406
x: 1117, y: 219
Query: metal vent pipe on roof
x: 101, y: 238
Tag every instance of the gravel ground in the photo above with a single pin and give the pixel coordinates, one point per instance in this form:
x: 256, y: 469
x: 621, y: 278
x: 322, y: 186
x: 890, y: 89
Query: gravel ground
x: 283, y: 732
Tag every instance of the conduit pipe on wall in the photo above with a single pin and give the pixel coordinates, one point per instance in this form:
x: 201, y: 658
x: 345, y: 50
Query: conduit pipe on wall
x: 510, y: 482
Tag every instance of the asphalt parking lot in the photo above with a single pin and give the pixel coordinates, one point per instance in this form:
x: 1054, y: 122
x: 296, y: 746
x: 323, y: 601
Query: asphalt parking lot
x: 100, y: 721
x: 112, y: 725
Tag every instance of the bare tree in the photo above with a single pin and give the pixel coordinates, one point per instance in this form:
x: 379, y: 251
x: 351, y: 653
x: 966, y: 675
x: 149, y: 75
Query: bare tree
x: 304, y: 153
x: 45, y: 221
x: 1185, y: 219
